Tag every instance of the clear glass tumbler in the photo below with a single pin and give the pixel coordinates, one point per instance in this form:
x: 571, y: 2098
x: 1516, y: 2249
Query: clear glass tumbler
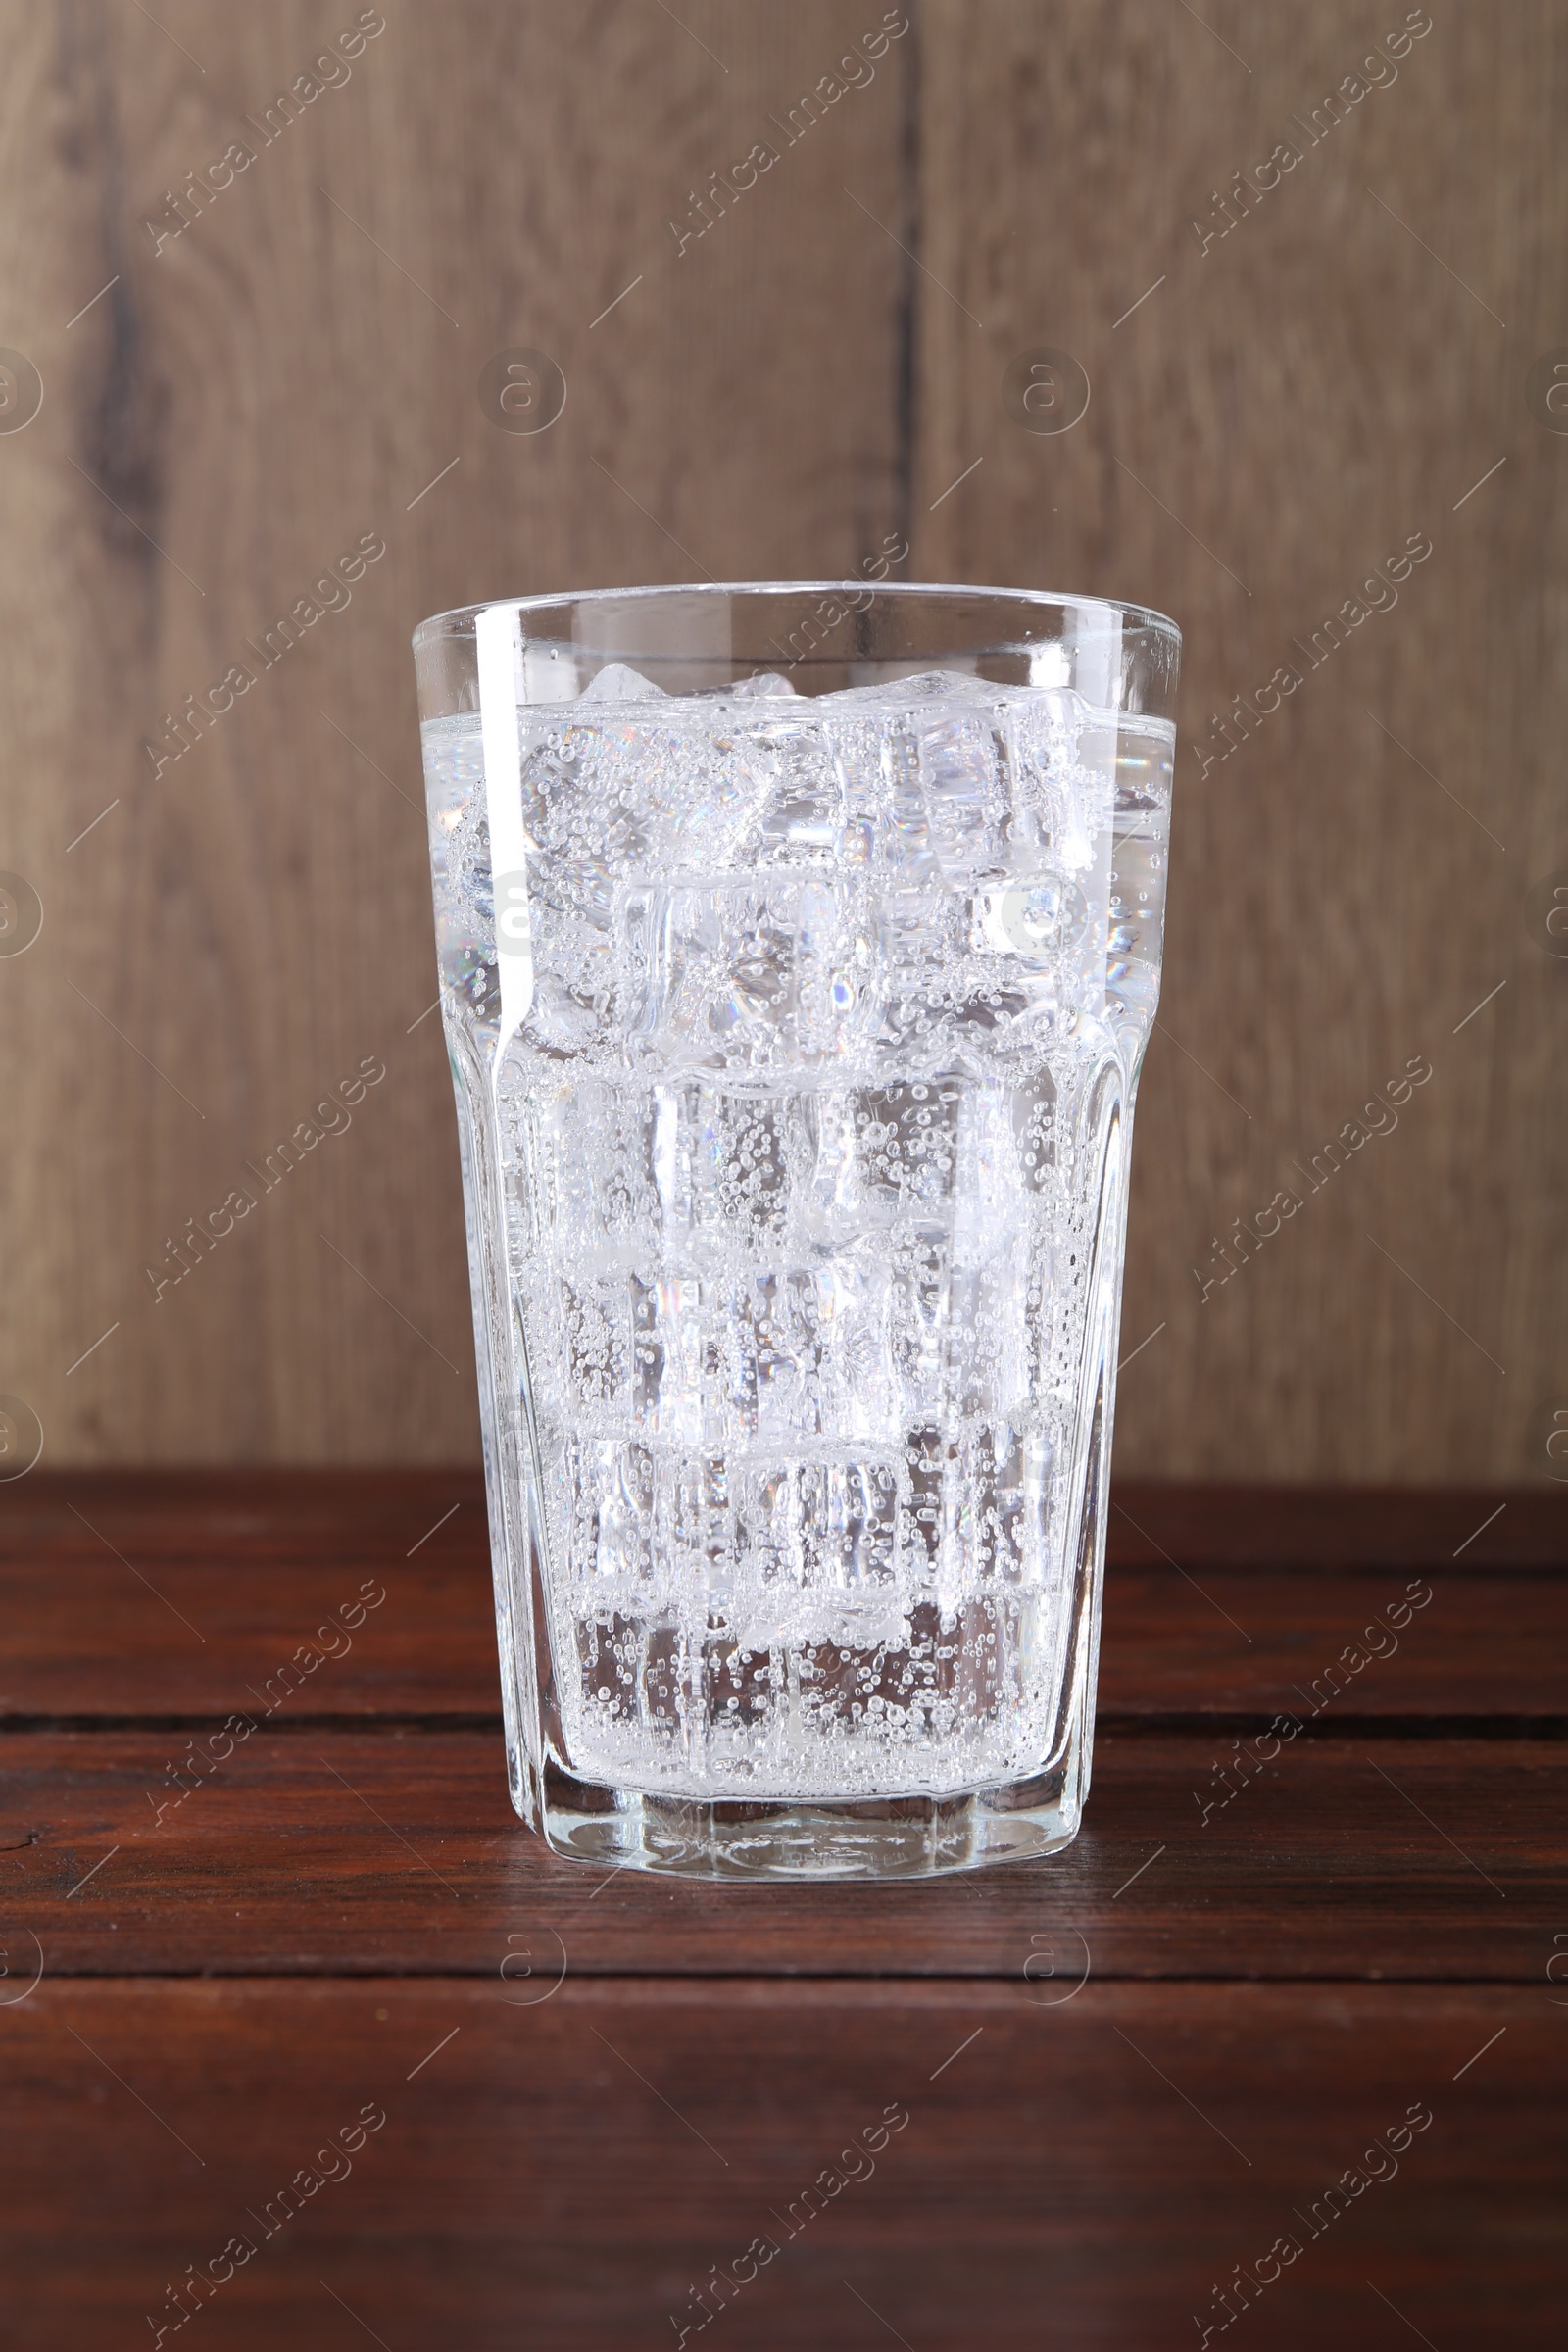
x: 799, y: 943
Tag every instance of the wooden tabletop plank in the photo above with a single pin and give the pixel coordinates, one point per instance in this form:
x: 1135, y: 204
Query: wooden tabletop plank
x: 264, y: 1514
x: 1179, y: 2019
x: 987, y: 2166
x: 141, y: 1597
x: 354, y: 1852
x: 1327, y: 1644
x: 124, y: 1613
x: 260, y: 1517
x: 1340, y: 1527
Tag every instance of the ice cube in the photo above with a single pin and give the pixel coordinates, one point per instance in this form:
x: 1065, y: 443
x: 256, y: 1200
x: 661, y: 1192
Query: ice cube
x: 708, y: 791
x: 739, y: 1167
x: 907, y: 1137
x: 616, y: 683
x: 806, y: 814
x: 823, y: 1351
x: 848, y: 1522
x: 600, y: 1191
x: 964, y: 780
x: 747, y: 974
x: 916, y: 969
x: 1067, y: 765
x: 743, y: 1688
x: 921, y: 686
x: 669, y: 785
x: 1044, y: 919
x: 907, y: 848
x: 575, y: 959
x: 763, y: 685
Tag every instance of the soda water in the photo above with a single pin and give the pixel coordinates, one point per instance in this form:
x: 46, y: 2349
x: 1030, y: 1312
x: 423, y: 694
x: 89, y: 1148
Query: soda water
x: 811, y: 1145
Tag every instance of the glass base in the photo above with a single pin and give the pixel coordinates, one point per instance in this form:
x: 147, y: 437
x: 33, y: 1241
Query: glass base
x: 854, y: 1837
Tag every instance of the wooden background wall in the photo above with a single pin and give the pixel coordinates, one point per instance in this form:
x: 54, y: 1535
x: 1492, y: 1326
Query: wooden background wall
x: 297, y: 368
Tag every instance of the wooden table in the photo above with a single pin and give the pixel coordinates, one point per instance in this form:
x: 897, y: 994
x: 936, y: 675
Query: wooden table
x: 1282, y: 2034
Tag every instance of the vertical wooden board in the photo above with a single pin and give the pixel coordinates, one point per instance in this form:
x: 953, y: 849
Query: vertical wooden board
x: 293, y: 373
x: 1274, y: 411
x: 249, y: 923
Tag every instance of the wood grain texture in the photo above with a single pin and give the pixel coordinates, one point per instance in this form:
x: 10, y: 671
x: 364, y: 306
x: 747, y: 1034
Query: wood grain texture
x: 228, y: 411
x: 293, y: 370
x: 347, y: 1853
x: 137, y: 1598
x: 1127, y: 2073
x: 567, y: 2173
x: 1287, y: 404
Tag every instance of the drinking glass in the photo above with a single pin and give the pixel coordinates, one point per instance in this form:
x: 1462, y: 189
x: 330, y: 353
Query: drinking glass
x: 799, y: 943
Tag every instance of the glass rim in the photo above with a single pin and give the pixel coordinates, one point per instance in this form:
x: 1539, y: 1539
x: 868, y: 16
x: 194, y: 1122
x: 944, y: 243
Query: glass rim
x: 1143, y: 617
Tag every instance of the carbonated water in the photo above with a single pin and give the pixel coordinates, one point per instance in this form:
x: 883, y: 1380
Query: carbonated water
x: 810, y: 1143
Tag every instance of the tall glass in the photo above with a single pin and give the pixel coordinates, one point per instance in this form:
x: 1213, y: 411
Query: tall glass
x: 799, y: 943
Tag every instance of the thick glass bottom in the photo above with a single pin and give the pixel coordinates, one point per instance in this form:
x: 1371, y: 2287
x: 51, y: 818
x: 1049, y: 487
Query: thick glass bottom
x: 853, y: 1837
